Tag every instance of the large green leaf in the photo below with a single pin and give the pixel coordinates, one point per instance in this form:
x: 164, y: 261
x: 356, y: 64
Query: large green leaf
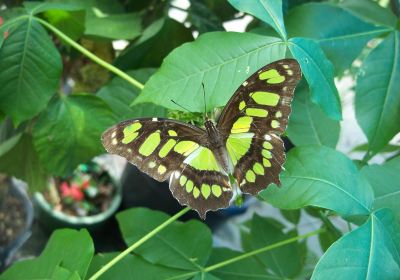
x: 68, y: 249
x: 371, y: 251
x: 220, y: 60
x: 112, y: 26
x: 308, y: 125
x: 286, y: 261
x: 318, y: 72
x: 385, y: 181
x: 180, y: 245
x: 118, y: 94
x: 341, y: 43
x: 131, y: 267
x: 249, y: 268
x: 370, y: 11
x: 269, y: 11
x: 157, y: 40
x: 202, y: 18
x: 68, y: 132
x: 320, y: 176
x: 30, y: 69
x: 377, y: 93
x: 19, y: 158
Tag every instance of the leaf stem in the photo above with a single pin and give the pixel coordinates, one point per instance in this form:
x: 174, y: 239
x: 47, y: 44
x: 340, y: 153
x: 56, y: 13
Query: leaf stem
x: 138, y: 243
x: 90, y: 55
x: 250, y: 254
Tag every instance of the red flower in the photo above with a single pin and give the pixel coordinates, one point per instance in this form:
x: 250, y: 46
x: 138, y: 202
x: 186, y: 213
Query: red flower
x: 85, y: 184
x: 1, y: 21
x: 76, y: 193
x: 65, y: 190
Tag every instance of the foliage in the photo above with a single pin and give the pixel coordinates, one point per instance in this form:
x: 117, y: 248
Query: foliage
x: 56, y: 127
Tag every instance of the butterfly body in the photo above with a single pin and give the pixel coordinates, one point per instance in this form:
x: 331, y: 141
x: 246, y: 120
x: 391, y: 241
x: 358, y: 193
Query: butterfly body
x: 210, y: 168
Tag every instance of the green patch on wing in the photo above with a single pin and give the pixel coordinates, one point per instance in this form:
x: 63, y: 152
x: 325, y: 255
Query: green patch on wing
x: 238, y: 145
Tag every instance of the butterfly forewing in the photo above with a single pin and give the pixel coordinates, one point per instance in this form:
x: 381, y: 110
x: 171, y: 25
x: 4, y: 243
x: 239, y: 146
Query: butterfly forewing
x: 253, y: 120
x: 161, y: 147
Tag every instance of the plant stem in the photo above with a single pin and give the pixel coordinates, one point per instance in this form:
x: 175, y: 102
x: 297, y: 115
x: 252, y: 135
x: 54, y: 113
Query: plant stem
x: 262, y: 250
x: 90, y: 55
x: 329, y: 225
x: 250, y: 254
x: 138, y: 243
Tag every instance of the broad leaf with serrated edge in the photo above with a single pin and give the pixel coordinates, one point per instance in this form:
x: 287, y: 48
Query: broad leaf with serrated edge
x: 68, y: 132
x: 320, y: 176
x: 207, y: 61
x: 30, y: 69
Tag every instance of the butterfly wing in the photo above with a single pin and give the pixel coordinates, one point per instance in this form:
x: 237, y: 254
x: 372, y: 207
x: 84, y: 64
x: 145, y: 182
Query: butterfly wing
x: 252, y: 121
x: 168, y: 149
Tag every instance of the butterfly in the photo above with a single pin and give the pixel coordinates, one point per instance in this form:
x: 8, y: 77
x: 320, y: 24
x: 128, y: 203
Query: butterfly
x: 209, y: 168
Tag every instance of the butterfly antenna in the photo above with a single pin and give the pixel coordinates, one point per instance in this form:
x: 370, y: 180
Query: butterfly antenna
x: 180, y: 106
x: 205, y: 104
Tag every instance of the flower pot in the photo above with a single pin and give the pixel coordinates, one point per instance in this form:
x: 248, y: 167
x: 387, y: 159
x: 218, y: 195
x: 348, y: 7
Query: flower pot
x: 53, y: 219
x: 16, y: 216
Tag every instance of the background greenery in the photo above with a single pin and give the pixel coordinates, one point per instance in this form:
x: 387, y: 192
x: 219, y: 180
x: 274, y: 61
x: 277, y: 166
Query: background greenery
x: 56, y: 98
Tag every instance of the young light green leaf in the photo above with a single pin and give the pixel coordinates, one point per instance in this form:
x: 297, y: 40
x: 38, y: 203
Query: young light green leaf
x: 377, y: 93
x: 19, y: 158
x: 30, y: 69
x: 320, y: 176
x: 68, y: 132
x: 371, y: 251
x: 118, y: 94
x: 180, y: 245
x: 220, y: 60
x: 75, y: 257
x: 318, y: 72
x: 385, y: 181
x: 308, y: 125
x: 269, y: 11
x: 341, y: 43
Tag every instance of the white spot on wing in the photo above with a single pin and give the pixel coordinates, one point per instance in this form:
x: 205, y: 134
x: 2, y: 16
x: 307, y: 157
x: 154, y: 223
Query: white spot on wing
x: 267, y: 137
x: 114, y: 142
x: 245, y: 83
x: 114, y: 134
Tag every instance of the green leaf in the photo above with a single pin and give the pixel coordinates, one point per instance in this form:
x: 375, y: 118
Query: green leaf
x: 68, y: 249
x: 68, y: 132
x: 371, y: 251
x: 292, y: 216
x: 308, y: 125
x: 341, y: 43
x: 131, y: 267
x: 318, y: 72
x: 69, y: 22
x: 269, y: 11
x: 202, y: 18
x: 30, y: 70
x: 180, y: 245
x: 370, y: 11
x: 221, y: 60
x: 286, y: 261
x: 112, y: 26
x: 19, y: 158
x: 385, y: 181
x: 118, y: 94
x: 157, y: 40
x: 34, y: 7
x: 248, y: 268
x: 377, y: 94
x: 322, y: 177
x: 327, y: 238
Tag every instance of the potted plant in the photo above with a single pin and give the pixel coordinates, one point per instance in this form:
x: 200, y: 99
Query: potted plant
x: 85, y: 199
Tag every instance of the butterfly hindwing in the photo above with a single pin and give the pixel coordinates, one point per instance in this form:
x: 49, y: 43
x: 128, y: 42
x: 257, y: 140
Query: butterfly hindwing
x: 253, y: 120
x: 161, y: 147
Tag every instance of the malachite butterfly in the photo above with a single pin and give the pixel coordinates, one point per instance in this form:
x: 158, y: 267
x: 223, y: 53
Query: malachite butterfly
x: 210, y: 168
